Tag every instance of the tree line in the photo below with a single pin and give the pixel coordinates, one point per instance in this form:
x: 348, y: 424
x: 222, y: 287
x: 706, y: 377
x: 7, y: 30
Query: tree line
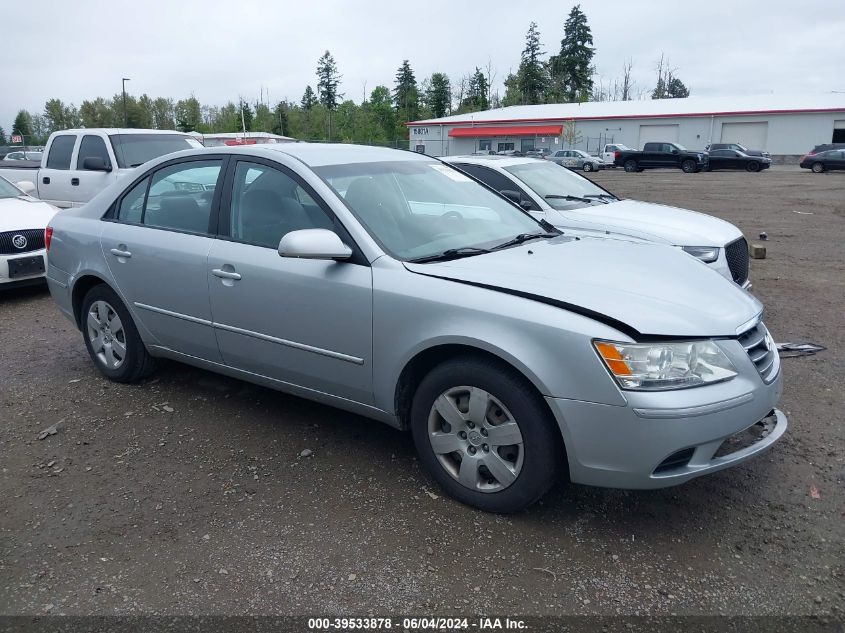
x: 380, y: 118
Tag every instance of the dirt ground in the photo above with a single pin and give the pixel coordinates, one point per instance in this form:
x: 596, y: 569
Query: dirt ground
x: 187, y: 493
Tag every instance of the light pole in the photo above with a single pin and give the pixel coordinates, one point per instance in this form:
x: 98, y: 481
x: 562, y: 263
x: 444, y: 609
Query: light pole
x: 123, y: 83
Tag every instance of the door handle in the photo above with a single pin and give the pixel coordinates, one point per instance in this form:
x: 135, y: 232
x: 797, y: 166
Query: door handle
x: 119, y: 253
x: 74, y: 182
x: 226, y: 274
x: 45, y: 180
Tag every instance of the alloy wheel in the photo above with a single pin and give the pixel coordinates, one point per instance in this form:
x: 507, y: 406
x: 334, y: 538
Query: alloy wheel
x: 106, y: 334
x: 476, y: 439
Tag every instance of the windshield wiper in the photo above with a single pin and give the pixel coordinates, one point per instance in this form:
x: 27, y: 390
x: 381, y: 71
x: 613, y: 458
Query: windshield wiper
x: 555, y: 196
x: 524, y: 237
x: 452, y: 253
x: 601, y: 196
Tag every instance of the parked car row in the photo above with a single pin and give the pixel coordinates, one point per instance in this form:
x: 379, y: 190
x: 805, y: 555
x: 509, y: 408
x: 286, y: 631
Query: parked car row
x: 428, y: 299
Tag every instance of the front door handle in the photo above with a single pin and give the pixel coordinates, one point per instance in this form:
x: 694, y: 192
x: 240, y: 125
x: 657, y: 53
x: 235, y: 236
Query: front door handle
x: 46, y: 180
x: 226, y: 274
x: 74, y: 182
x: 121, y: 253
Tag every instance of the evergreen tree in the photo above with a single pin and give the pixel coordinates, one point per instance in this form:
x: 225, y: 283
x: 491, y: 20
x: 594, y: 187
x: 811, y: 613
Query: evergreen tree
x: 328, y: 81
x: 309, y: 99
x: 532, y: 77
x: 571, y: 70
x: 476, y: 96
x: 406, y: 97
x: 280, y: 115
x: 381, y: 109
x: 246, y: 117
x: 675, y: 88
x: 2, y: 136
x: 513, y: 96
x: 23, y: 125
x: 439, y: 94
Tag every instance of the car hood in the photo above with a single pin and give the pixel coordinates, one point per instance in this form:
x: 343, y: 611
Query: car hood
x: 654, y: 290
x: 649, y: 221
x: 24, y: 213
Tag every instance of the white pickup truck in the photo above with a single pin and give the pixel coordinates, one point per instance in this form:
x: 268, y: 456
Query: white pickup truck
x: 78, y: 164
x: 608, y: 152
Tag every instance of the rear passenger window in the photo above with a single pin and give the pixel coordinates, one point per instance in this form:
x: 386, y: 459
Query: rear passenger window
x: 132, y: 205
x: 180, y: 196
x: 60, y: 152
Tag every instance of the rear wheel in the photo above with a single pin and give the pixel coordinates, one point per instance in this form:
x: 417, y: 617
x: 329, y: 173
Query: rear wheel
x: 688, y: 166
x: 752, y: 166
x: 484, y: 435
x: 588, y: 167
x: 817, y: 168
x: 111, y: 337
x: 631, y: 165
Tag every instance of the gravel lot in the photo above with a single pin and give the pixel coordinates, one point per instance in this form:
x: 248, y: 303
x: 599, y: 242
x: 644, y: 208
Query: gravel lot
x: 187, y: 493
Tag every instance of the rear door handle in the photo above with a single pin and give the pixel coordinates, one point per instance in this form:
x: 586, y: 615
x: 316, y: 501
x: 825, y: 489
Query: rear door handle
x: 120, y: 253
x: 74, y: 182
x: 225, y: 274
x: 45, y: 180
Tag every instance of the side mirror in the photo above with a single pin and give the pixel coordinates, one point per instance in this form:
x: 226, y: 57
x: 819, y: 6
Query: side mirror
x: 95, y: 163
x: 314, y: 244
x: 27, y: 186
x: 674, y: 151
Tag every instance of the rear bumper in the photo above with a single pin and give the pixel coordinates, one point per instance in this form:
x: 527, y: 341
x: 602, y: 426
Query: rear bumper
x: 628, y: 447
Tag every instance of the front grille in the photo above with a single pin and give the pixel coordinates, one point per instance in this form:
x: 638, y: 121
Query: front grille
x: 34, y: 241
x: 737, y: 254
x: 762, y: 351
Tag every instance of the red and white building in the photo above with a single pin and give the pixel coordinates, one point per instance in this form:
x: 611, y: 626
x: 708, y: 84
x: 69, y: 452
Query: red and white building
x: 785, y: 126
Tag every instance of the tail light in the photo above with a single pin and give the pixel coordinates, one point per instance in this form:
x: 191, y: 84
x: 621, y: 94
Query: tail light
x: 48, y: 237
x: 616, y: 154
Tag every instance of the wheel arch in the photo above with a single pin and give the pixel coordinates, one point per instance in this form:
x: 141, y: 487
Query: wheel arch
x: 424, y: 360
x: 80, y: 288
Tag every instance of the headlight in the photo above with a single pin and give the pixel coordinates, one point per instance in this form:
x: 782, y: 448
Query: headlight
x: 660, y: 366
x: 707, y: 254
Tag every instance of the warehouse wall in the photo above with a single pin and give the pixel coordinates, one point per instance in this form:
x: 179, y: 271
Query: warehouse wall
x: 787, y: 136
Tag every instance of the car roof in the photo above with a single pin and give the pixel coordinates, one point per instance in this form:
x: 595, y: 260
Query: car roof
x: 497, y: 161
x: 313, y: 154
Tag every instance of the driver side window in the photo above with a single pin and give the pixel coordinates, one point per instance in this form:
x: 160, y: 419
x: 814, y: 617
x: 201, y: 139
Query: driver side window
x: 267, y: 204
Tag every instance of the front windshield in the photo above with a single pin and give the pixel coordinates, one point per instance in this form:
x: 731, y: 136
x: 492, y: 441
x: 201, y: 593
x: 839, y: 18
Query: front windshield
x: 8, y: 190
x: 132, y: 150
x: 552, y: 182
x: 681, y: 147
x: 420, y: 208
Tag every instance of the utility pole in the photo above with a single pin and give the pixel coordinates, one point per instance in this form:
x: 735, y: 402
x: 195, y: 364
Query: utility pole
x: 123, y: 83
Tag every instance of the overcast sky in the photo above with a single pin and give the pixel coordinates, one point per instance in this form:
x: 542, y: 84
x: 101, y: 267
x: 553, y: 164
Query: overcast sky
x: 80, y: 49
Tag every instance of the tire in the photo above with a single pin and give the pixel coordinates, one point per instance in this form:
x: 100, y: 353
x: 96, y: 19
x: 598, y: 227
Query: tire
x: 631, y: 165
x: 111, y: 337
x: 588, y: 167
x: 519, y: 473
x: 752, y: 166
x: 817, y: 168
x: 689, y: 166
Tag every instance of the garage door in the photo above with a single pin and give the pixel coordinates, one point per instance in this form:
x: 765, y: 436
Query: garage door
x: 752, y: 135
x: 657, y: 133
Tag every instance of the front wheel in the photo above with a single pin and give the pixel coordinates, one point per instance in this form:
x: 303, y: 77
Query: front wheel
x: 753, y: 166
x: 588, y: 167
x: 484, y: 435
x: 111, y: 337
x: 631, y: 165
x: 817, y: 168
x: 688, y: 166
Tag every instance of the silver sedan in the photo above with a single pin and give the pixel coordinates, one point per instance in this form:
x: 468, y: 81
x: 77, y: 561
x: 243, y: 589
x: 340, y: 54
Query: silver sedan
x: 576, y: 159
x: 390, y: 284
